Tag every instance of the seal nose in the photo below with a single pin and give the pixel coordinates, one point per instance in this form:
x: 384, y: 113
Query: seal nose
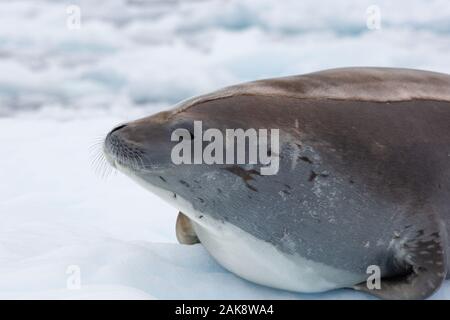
x: 118, y: 128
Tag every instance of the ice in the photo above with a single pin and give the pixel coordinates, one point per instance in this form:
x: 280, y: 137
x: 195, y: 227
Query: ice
x: 61, y: 91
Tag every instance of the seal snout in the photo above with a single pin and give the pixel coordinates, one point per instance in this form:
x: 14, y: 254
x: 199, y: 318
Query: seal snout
x: 119, y: 150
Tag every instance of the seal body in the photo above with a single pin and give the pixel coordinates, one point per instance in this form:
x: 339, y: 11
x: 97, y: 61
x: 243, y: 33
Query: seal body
x: 363, y: 179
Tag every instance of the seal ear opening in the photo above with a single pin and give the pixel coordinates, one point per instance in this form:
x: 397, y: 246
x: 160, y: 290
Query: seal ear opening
x: 419, y: 251
x: 185, y: 231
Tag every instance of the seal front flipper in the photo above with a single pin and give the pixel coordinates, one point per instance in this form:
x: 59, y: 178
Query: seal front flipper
x: 419, y: 255
x: 185, y: 231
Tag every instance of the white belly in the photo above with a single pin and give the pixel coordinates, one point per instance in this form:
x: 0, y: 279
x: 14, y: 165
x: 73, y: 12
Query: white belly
x: 260, y: 262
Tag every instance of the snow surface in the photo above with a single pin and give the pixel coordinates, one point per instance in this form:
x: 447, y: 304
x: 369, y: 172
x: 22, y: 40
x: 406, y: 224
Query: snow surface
x: 62, y: 90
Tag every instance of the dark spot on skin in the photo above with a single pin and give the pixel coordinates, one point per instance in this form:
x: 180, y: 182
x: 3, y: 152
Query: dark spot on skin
x: 306, y: 159
x: 422, y: 269
x: 175, y: 195
x: 196, y: 181
x: 246, y: 175
x: 201, y: 200
x: 434, y: 234
x: 299, y: 145
x: 162, y: 179
x: 200, y: 217
x: 287, y: 186
x: 184, y: 183
x: 314, y: 175
x: 352, y: 182
x: 219, y: 190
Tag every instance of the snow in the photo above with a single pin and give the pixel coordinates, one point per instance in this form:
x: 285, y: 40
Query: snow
x: 62, y: 90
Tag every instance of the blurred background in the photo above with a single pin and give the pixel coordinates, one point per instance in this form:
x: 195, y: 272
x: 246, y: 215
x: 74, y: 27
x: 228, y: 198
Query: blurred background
x: 71, y: 70
x: 116, y: 54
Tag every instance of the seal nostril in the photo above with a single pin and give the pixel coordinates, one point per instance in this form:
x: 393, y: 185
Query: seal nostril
x: 118, y: 128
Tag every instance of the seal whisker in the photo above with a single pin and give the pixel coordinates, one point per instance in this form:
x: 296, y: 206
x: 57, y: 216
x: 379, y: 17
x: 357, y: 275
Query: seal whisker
x: 98, y: 160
